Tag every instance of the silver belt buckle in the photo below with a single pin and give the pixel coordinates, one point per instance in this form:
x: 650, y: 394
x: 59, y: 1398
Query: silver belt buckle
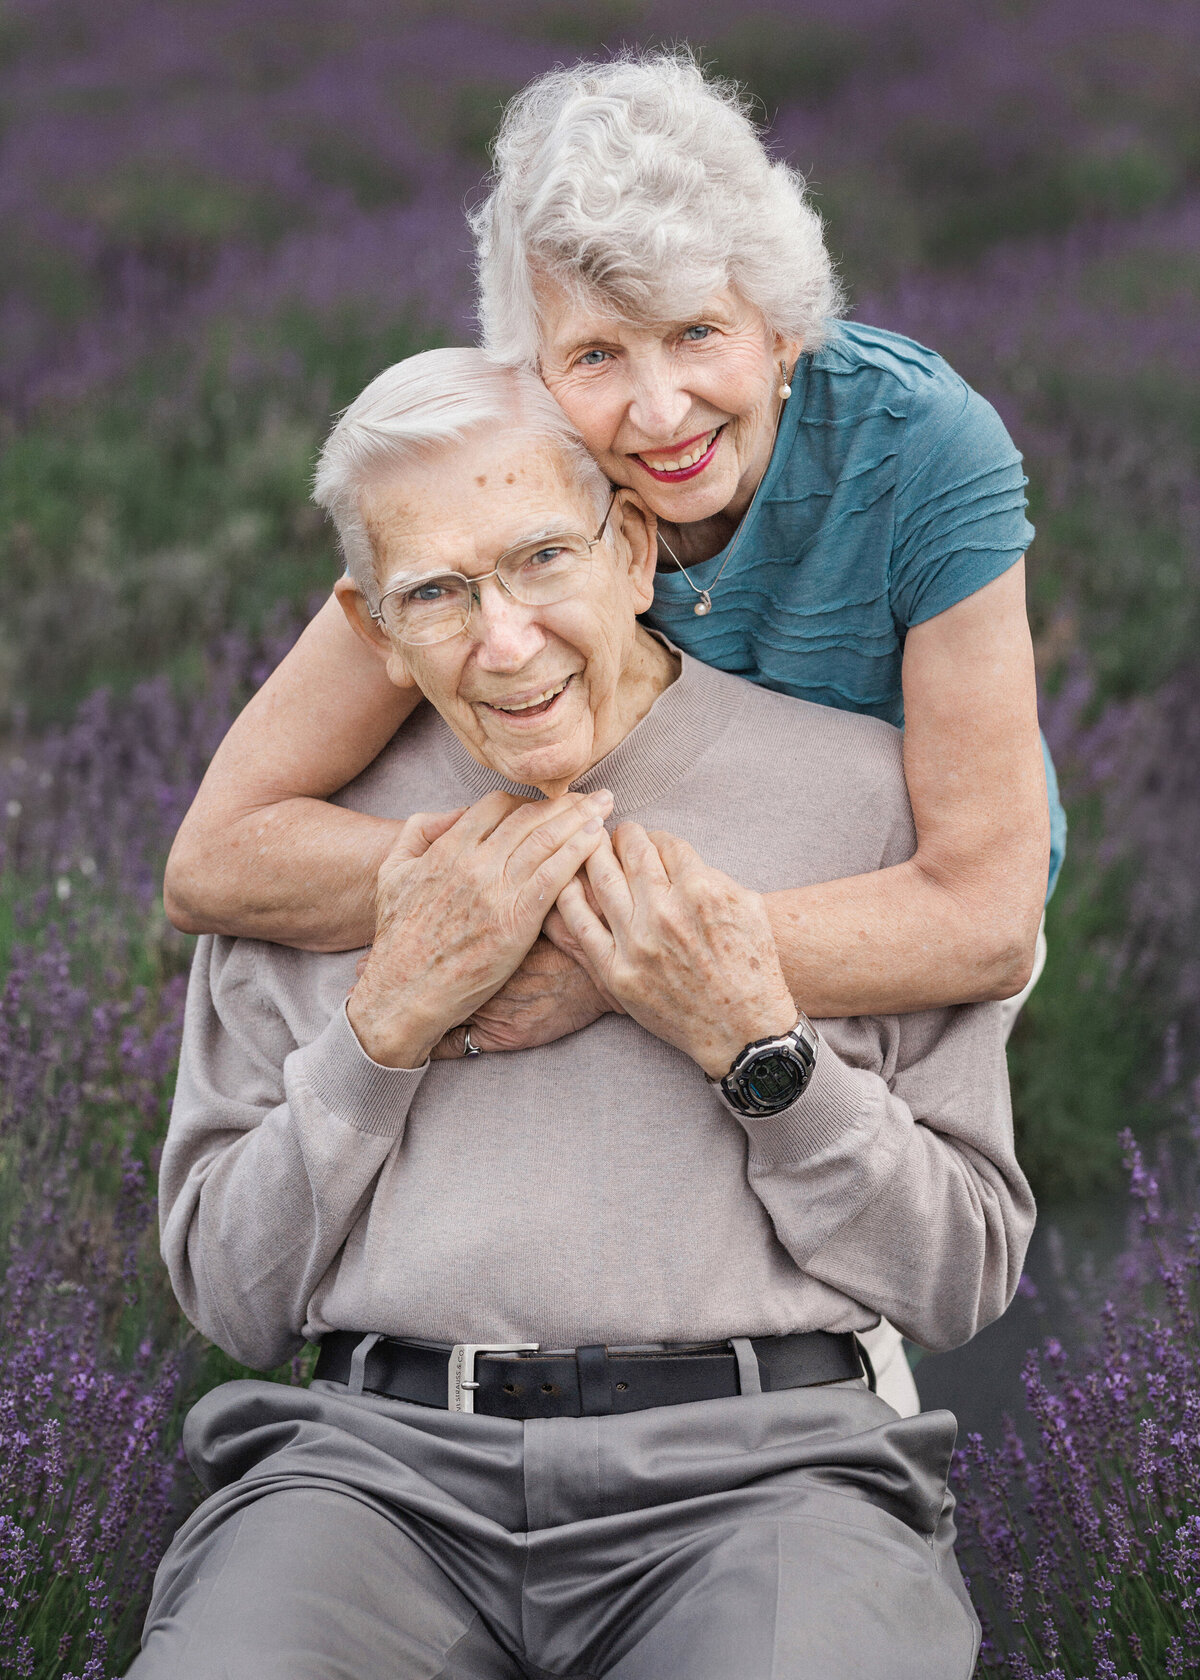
x: 462, y: 1369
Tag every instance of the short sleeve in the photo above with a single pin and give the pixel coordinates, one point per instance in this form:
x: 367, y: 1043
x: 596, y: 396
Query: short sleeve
x: 960, y: 504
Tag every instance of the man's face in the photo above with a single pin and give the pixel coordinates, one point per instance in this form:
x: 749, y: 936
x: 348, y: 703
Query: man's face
x: 539, y: 693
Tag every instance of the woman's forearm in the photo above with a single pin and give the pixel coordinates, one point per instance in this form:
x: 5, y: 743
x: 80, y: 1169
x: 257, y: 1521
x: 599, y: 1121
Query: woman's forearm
x: 898, y: 941
x: 260, y: 854
x: 298, y: 872
x: 957, y: 922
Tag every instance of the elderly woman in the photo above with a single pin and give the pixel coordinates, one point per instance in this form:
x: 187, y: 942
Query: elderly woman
x: 839, y: 517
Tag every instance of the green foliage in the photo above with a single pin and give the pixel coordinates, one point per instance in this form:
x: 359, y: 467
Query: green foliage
x: 336, y: 160
x: 159, y: 203
x: 1086, y: 1048
x: 1132, y: 589
x: 583, y: 24
x: 785, y: 61
x: 168, y: 509
x: 474, y: 114
x: 971, y: 193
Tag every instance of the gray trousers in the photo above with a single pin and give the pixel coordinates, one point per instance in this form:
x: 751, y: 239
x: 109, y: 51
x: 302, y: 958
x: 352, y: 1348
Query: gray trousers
x: 766, y: 1537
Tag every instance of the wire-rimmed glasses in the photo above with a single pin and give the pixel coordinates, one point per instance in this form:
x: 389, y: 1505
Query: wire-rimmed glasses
x: 420, y: 611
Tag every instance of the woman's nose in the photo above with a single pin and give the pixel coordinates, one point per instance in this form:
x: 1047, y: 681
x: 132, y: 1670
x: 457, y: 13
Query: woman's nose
x: 658, y: 405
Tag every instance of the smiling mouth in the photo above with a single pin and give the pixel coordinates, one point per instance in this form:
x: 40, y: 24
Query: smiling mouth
x: 535, y: 707
x: 693, y: 459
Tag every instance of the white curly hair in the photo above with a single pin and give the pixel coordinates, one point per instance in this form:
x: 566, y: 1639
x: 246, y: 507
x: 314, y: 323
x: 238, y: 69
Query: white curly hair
x: 642, y: 186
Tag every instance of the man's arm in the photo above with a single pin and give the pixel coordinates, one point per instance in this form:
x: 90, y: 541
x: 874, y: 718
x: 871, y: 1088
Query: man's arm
x: 900, y: 1187
x: 271, y: 1155
x: 897, y: 1183
x: 273, y: 1149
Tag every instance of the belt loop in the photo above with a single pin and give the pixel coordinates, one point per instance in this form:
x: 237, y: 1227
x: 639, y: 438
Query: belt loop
x: 358, y: 1361
x: 749, y: 1375
x: 868, y: 1367
x: 595, y: 1384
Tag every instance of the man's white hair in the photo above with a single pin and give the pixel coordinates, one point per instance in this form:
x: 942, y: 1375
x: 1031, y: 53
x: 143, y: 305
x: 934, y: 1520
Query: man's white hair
x: 420, y: 406
x: 642, y: 186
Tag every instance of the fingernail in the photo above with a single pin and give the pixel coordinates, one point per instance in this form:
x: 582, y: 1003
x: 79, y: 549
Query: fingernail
x: 593, y: 827
x: 601, y: 799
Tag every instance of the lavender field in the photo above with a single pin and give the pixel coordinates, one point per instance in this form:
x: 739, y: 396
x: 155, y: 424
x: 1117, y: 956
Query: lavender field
x: 221, y: 217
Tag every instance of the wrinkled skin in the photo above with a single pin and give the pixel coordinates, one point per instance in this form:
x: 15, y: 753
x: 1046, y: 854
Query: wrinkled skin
x: 550, y: 995
x: 685, y: 950
x: 461, y: 899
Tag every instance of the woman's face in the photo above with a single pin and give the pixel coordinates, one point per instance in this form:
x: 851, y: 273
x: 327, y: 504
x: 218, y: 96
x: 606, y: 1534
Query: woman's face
x: 684, y: 414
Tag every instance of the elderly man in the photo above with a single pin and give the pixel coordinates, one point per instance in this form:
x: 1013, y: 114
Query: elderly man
x: 589, y: 1400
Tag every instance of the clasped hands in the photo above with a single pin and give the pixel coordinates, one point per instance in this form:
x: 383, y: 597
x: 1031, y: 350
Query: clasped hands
x: 528, y: 920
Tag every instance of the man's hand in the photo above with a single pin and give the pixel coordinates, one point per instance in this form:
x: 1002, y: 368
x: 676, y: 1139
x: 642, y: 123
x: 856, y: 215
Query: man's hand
x: 461, y: 898
x: 549, y: 996
x: 686, y: 951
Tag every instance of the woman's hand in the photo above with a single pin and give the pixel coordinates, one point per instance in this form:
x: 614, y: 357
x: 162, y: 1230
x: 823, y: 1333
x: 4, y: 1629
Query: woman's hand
x: 549, y: 996
x: 461, y: 898
x: 686, y: 951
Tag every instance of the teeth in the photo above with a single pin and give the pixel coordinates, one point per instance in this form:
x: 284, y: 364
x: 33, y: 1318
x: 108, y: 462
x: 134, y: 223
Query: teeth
x: 690, y: 458
x: 538, y: 700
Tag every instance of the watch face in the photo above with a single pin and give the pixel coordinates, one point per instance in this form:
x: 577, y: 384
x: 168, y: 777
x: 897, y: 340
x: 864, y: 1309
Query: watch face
x: 775, y: 1080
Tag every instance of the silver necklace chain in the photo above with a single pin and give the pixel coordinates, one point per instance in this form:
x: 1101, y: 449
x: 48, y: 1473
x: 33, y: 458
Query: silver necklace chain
x: 703, y: 596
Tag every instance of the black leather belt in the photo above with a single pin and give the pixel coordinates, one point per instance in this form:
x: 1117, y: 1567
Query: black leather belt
x: 523, y: 1382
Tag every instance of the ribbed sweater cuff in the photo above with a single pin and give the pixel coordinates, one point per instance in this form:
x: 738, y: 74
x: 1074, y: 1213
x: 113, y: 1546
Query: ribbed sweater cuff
x: 833, y: 1105
x: 344, y: 1079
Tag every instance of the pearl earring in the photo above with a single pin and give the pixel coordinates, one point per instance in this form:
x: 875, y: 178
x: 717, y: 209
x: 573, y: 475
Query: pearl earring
x: 785, y: 390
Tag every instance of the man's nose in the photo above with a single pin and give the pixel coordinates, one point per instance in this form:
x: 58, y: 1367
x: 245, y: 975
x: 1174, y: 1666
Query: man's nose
x: 506, y: 633
x: 658, y: 404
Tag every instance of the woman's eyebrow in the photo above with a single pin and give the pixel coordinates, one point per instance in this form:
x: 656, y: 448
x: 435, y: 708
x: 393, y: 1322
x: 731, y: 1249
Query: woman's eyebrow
x: 584, y: 341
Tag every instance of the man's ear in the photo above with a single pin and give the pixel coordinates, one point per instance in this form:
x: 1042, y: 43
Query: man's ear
x: 639, y: 527
x: 372, y: 634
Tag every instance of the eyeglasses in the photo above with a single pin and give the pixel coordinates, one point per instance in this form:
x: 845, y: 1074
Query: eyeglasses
x: 425, y: 610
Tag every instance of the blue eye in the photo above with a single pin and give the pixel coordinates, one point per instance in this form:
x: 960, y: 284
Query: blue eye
x: 425, y: 593
x: 593, y: 358
x: 688, y: 333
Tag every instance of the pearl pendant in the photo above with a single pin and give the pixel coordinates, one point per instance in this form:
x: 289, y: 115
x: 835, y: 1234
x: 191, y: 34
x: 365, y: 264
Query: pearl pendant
x: 703, y: 605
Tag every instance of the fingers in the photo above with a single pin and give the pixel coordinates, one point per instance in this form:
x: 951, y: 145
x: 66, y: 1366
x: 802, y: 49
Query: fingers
x: 587, y: 932
x: 547, y: 880
x: 534, y: 833
x: 559, y: 934
x: 675, y: 855
x: 524, y: 831
x: 449, y: 1048
x: 419, y: 832
x: 608, y: 887
x: 481, y: 820
x: 639, y: 857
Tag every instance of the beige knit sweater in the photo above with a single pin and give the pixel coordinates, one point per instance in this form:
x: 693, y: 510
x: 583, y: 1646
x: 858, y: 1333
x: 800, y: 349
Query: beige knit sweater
x: 598, y: 1189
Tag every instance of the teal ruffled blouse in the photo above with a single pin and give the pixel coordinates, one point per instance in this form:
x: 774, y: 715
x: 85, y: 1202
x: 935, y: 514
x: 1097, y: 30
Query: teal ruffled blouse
x: 893, y: 491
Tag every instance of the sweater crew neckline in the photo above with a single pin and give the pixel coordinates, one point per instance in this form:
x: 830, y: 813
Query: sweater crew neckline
x: 659, y: 751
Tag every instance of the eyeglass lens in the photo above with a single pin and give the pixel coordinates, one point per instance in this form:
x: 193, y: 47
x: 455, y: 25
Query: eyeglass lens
x: 433, y: 609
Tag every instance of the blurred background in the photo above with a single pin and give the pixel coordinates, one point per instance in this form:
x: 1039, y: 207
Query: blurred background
x: 222, y: 217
